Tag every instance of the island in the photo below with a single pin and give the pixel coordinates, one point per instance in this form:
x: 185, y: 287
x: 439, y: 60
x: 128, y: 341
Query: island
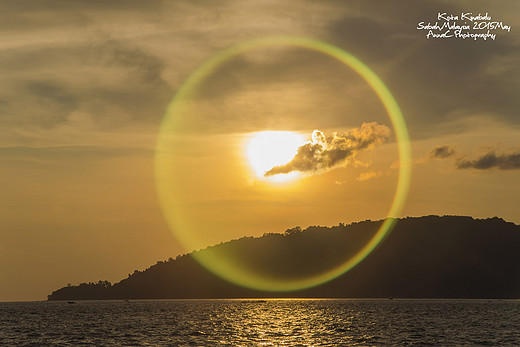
x: 423, y: 257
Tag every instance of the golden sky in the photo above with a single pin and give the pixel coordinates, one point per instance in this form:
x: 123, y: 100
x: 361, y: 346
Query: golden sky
x: 86, y: 84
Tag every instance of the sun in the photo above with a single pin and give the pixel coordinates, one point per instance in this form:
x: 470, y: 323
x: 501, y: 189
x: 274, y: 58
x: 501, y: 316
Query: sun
x: 267, y: 149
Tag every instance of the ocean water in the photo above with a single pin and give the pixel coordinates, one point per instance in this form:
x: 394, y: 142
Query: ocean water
x: 295, y: 322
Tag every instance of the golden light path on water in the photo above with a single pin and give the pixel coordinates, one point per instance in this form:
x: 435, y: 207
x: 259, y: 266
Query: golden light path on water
x: 164, y: 166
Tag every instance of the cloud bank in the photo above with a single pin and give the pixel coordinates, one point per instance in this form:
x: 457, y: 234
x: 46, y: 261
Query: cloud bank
x: 323, y: 152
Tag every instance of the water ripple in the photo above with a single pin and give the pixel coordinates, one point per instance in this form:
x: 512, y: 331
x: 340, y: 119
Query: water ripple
x: 262, y: 323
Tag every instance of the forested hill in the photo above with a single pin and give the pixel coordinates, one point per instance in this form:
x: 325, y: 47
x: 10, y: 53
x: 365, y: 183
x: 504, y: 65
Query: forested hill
x: 425, y: 257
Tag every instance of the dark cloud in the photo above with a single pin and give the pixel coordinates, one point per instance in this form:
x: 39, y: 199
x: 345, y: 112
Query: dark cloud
x: 48, y: 102
x: 441, y: 152
x: 111, y: 81
x: 57, y: 5
x: 376, y: 31
x: 282, y: 87
x: 448, y: 81
x: 372, y: 46
x: 114, y: 53
x: 141, y: 94
x: 434, y: 81
x: 326, y: 152
x: 31, y: 15
x: 491, y: 160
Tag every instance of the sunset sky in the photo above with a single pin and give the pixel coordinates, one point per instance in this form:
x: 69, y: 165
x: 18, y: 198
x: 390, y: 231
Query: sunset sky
x: 86, y: 85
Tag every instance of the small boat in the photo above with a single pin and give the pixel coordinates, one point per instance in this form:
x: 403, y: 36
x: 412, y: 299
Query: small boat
x: 71, y: 302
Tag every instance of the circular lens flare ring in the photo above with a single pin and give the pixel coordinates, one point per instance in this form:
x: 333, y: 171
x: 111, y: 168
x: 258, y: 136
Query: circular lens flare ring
x: 163, y: 164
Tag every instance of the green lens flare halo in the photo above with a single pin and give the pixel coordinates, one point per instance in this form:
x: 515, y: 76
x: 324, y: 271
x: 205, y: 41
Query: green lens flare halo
x: 164, y: 165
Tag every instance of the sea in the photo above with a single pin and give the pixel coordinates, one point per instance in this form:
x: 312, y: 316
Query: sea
x: 272, y: 322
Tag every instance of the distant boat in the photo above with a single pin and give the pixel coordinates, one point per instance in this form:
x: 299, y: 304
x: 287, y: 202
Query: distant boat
x: 71, y: 302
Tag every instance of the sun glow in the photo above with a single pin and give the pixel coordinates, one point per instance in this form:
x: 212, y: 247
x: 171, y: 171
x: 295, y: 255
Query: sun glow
x: 267, y: 149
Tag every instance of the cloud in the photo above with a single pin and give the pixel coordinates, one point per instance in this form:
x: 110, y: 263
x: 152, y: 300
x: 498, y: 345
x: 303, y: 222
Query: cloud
x: 114, y: 83
x: 419, y: 71
x: 252, y: 90
x: 67, y: 153
x: 365, y: 176
x: 326, y: 152
x: 441, y: 152
x: 119, y: 64
x: 491, y: 160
